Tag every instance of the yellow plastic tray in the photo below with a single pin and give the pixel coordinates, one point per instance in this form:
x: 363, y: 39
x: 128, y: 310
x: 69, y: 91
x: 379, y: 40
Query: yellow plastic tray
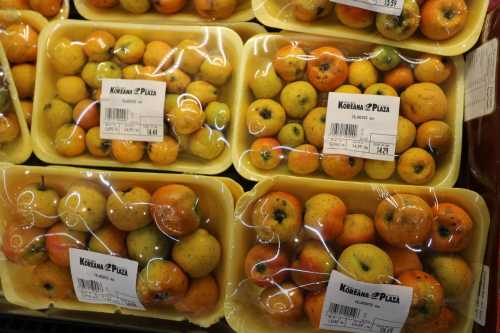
x: 241, y: 309
x: 246, y: 30
x: 243, y: 13
x: 279, y: 14
x: 19, y: 150
x: 261, y: 49
x: 45, y: 88
x: 16, y: 279
x: 32, y: 18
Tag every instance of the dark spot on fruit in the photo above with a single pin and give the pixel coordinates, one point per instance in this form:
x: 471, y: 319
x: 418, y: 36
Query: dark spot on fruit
x: 279, y: 215
x: 303, y: 100
x: 105, y: 144
x: 265, y: 113
x: 379, y: 92
x: 364, y: 266
x: 443, y: 231
x: 160, y: 296
x: 266, y: 155
x: 320, y: 10
x: 298, y: 71
x: 449, y: 13
x: 324, y: 67
x: 48, y: 286
x: 361, y: 86
x: 351, y: 161
x: 47, y: 107
x: 418, y: 168
x: 260, y: 267
x: 422, y: 308
x: 296, y: 130
x: 322, y: 119
x: 389, y: 216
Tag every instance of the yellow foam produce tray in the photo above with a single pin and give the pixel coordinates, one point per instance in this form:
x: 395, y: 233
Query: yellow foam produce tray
x: 261, y: 49
x: 246, y: 30
x: 64, y: 13
x: 19, y: 150
x: 241, y: 308
x: 16, y: 280
x: 279, y: 14
x: 242, y: 13
x: 45, y: 88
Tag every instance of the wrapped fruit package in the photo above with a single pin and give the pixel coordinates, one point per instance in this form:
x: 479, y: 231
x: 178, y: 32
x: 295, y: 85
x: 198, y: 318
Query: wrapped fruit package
x: 51, y: 9
x: 166, y: 11
x: 445, y: 27
x: 19, y: 31
x: 294, y: 233
x: 197, y: 65
x: 15, y: 141
x: 282, y: 115
x: 161, y: 233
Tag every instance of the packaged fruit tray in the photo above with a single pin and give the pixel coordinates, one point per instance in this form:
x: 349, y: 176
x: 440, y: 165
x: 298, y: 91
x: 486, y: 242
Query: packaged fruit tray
x: 183, y: 11
x: 51, y: 9
x: 292, y: 232
x: 19, y: 31
x: 246, y: 30
x: 279, y: 69
x: 460, y: 33
x: 54, y: 209
x: 198, y: 64
x: 15, y: 146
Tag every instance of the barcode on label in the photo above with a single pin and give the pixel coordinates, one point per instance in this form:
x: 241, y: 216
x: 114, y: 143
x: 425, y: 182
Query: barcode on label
x: 344, y: 310
x: 386, y: 329
x: 92, y: 285
x: 118, y: 114
x: 340, y: 129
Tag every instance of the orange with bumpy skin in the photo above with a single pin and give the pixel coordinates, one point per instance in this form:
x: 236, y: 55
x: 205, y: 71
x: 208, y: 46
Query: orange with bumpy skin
x: 452, y: 228
x: 433, y: 68
x: 324, y: 215
x: 354, y: 17
x: 290, y: 63
x: 327, y: 69
x: 277, y: 217
x: 303, y: 159
x: 428, y: 296
x: 54, y: 281
x: 266, y: 265
x: 358, y: 228
x: 314, y: 126
x: 59, y: 240
x: 165, y: 152
x: 161, y: 283
x: 311, y: 270
x: 403, y: 259
x: 265, y: 117
x: 313, y: 306
x: 399, y: 78
x: 168, y: 6
x: 24, y: 245
x: 265, y: 153
x: 215, y: 9
x: 443, y: 19
x: 158, y: 54
x: 284, y: 303
x: 403, y: 220
x: 127, y: 151
x: 98, y: 45
x: 201, y: 297
x: 341, y: 167
x: 174, y: 208
x: 416, y: 166
x: 20, y: 43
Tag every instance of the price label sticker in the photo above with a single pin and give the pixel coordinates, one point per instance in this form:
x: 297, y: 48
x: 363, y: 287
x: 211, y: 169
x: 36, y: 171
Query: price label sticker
x: 389, y: 7
x: 132, y: 110
x: 355, y: 306
x: 363, y: 126
x: 103, y: 279
x: 480, y: 80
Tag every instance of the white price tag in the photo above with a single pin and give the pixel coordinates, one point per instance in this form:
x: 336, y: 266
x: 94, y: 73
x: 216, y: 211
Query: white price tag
x: 363, y: 126
x: 132, y: 110
x: 389, y: 7
x: 480, y: 80
x: 103, y: 279
x: 355, y: 306
x: 482, y: 297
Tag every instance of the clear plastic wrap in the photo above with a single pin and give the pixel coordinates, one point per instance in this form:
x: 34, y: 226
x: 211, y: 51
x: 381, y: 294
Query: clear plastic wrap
x: 292, y: 233
x: 198, y: 65
x: 166, y: 11
x: 15, y: 140
x: 19, y: 30
x: 51, y: 9
x: 166, y: 223
x: 451, y: 27
x: 280, y: 69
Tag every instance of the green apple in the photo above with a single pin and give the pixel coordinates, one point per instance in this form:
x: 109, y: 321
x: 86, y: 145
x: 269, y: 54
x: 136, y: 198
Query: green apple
x: 385, y: 57
x: 217, y: 115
